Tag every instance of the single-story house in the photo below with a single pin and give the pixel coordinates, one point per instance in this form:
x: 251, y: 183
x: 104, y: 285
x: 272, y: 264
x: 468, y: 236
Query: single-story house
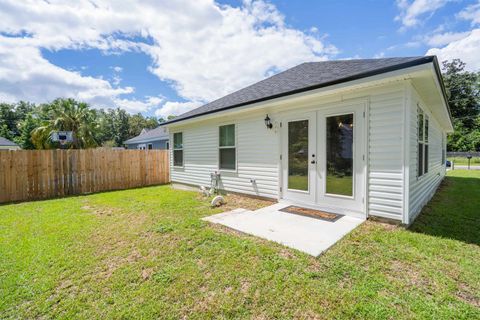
x: 149, y: 139
x: 6, y: 144
x: 364, y: 137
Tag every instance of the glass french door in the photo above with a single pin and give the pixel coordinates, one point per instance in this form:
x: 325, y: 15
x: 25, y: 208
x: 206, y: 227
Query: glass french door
x: 299, y: 143
x: 341, y: 166
x: 323, y: 158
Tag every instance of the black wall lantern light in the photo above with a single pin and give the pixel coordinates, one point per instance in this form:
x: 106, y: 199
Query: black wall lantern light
x: 268, y: 122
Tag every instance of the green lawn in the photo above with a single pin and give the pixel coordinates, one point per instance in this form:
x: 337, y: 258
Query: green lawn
x: 462, y: 161
x: 144, y: 253
x: 298, y: 182
x: 339, y: 185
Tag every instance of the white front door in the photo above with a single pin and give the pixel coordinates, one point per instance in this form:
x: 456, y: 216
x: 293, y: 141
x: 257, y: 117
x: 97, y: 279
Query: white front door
x: 298, y: 159
x: 323, y: 155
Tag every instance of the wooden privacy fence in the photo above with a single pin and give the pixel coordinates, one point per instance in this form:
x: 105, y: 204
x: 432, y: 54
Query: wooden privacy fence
x: 41, y: 174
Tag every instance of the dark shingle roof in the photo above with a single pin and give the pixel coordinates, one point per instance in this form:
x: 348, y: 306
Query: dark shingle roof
x: 6, y: 142
x: 159, y: 133
x: 304, y: 77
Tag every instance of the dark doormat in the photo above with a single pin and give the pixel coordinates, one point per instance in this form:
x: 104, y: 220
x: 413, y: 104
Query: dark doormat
x: 317, y: 214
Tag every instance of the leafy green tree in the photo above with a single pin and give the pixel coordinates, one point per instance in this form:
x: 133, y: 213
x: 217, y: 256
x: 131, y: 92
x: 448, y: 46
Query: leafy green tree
x: 120, y: 126
x: 463, y: 90
x: 23, y: 109
x: 7, y: 121
x: 104, y: 126
x: 27, y: 126
x: 66, y: 115
x: 137, y: 122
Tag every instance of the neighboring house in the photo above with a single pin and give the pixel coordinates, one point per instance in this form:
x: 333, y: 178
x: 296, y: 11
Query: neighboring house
x: 149, y: 139
x: 358, y: 137
x: 6, y: 144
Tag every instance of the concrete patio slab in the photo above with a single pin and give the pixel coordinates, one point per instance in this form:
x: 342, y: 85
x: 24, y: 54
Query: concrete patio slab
x: 306, y: 234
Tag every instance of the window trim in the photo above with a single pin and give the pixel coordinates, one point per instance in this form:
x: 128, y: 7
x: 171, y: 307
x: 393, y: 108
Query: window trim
x: 177, y: 149
x: 227, y: 147
x: 425, y: 142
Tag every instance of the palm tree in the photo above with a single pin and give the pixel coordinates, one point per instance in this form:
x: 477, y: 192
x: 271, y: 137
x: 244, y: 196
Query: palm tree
x: 67, y: 115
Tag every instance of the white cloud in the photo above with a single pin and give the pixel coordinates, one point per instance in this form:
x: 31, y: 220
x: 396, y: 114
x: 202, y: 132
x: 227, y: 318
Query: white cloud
x: 203, y: 49
x: 411, y: 11
x: 116, y: 80
x: 132, y: 105
x: 441, y: 39
x: 233, y: 49
x: 466, y: 49
x: 472, y: 13
x: 117, y: 69
x: 26, y: 75
x: 176, y: 108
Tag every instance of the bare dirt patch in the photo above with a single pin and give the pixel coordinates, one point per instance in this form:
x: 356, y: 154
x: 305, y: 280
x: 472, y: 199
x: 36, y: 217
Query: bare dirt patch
x: 234, y: 201
x: 465, y: 294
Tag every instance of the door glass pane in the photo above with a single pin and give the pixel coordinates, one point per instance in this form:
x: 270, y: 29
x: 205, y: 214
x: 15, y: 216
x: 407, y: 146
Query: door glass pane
x: 340, y: 155
x: 298, y: 155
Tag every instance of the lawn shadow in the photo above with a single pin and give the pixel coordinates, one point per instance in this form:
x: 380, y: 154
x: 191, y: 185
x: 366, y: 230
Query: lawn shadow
x: 453, y: 212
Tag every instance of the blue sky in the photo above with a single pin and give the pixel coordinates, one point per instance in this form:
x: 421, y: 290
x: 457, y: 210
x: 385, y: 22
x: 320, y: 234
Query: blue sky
x: 163, y: 57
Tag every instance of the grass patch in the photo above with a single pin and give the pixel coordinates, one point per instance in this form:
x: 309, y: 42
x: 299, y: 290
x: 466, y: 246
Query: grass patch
x: 463, y: 161
x: 145, y: 253
x: 340, y: 185
x: 298, y: 183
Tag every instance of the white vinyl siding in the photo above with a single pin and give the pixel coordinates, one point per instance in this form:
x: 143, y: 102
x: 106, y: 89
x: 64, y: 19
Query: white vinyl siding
x: 391, y: 128
x: 385, y: 146
x: 257, y: 158
x: 422, y: 188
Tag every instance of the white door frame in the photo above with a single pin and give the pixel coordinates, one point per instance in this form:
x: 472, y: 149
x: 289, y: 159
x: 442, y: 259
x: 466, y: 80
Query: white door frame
x: 354, y: 203
x: 319, y: 200
x: 308, y: 196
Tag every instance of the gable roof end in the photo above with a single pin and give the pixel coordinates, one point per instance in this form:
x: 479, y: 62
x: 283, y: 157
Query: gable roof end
x: 159, y: 133
x: 304, y: 77
x: 6, y: 142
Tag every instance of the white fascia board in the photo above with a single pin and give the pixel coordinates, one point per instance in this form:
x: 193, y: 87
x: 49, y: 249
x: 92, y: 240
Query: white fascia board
x: 448, y: 128
x: 377, y: 80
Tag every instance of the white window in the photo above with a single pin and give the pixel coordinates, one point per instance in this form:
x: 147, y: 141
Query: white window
x: 178, y: 149
x: 227, y: 150
x: 422, y: 164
